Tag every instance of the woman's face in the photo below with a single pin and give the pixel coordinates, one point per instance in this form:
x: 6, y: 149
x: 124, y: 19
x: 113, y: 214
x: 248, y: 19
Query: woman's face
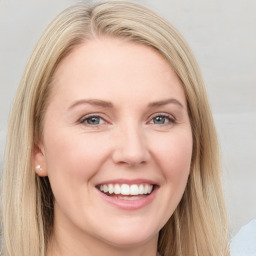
x: 117, y: 121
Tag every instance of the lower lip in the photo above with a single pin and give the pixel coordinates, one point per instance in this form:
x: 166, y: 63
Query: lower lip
x: 129, y: 204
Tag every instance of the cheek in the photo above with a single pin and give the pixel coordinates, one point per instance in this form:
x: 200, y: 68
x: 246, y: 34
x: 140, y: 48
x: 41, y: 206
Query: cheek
x: 73, y: 158
x: 173, y: 154
x: 72, y: 161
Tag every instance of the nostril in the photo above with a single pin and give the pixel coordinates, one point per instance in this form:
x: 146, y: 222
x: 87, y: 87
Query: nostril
x: 130, y: 159
x: 131, y: 147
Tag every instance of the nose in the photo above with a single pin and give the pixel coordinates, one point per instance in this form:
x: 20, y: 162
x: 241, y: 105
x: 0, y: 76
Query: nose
x: 130, y: 147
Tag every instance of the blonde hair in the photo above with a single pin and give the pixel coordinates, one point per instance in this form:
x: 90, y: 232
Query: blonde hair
x: 198, y: 226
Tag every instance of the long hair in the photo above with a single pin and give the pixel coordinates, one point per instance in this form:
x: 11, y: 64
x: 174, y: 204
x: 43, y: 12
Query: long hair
x: 198, y: 227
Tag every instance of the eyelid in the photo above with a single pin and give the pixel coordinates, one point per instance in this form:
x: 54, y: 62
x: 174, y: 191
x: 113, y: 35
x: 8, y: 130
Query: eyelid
x: 162, y: 114
x: 100, y: 115
x: 85, y: 117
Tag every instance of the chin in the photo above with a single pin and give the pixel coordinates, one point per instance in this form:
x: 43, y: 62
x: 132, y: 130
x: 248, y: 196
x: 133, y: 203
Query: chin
x: 127, y: 237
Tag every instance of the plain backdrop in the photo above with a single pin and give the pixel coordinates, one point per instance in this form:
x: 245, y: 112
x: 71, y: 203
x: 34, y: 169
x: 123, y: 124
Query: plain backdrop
x: 222, y: 35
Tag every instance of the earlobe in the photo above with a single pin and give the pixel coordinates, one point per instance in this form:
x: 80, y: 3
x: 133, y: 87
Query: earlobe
x: 39, y: 160
x: 40, y: 171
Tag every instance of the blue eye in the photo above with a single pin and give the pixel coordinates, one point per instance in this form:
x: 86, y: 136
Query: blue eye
x: 162, y: 119
x: 92, y: 120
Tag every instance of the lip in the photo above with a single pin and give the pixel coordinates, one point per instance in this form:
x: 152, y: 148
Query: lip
x: 129, y: 204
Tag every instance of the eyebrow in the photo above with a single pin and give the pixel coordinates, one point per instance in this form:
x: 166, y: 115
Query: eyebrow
x: 107, y: 104
x: 165, y: 102
x: 96, y: 102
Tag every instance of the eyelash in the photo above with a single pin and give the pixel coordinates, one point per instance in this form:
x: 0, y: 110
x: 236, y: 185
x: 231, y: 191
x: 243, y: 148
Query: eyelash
x: 85, y: 119
x: 170, y: 118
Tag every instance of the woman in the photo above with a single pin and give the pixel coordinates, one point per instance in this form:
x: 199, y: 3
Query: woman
x: 111, y: 147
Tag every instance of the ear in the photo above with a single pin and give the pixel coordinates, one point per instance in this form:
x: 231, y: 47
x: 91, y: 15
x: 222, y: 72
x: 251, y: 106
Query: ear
x: 39, y: 160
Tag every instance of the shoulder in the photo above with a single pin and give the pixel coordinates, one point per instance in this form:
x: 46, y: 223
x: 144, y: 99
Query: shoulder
x: 243, y: 243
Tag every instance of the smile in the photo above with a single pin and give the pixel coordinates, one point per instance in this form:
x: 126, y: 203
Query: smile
x: 128, y: 194
x: 126, y: 190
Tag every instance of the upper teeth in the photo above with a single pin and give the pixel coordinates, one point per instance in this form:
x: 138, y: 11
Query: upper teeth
x: 125, y: 189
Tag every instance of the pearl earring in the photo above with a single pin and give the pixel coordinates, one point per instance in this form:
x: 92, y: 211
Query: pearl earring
x: 38, y: 167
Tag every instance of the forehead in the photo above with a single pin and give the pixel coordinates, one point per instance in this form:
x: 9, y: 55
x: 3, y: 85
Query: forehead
x: 109, y: 67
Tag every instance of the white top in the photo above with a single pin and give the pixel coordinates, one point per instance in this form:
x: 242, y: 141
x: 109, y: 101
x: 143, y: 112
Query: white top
x: 244, y: 242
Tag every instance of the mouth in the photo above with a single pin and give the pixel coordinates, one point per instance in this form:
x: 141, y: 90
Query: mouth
x: 126, y: 191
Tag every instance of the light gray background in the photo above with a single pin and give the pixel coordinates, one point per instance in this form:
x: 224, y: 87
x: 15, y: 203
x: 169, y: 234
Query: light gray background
x: 222, y: 35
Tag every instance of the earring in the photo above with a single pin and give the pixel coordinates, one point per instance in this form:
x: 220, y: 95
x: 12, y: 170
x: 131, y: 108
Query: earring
x: 38, y: 167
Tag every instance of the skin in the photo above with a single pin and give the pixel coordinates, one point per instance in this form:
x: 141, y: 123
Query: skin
x: 133, y: 139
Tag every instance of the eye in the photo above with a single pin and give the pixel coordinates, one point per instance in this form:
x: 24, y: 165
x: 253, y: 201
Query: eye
x: 92, y: 120
x: 162, y: 119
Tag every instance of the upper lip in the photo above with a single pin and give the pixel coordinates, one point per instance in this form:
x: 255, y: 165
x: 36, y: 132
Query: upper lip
x: 127, y: 181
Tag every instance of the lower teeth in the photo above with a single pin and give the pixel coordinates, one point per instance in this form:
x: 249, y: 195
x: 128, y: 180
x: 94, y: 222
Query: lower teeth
x: 129, y: 197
